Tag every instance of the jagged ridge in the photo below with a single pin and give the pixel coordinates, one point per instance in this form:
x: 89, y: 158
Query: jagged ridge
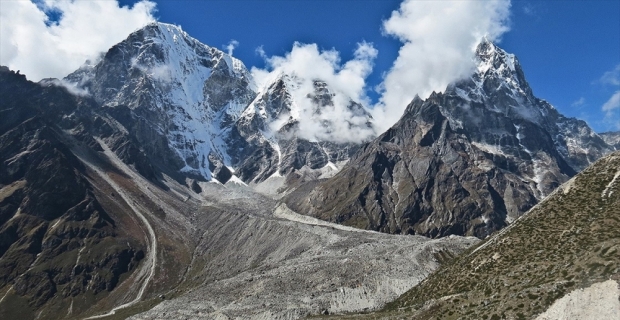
x: 468, y: 161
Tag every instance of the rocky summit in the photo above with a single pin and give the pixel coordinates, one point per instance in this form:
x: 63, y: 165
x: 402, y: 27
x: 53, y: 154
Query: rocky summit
x: 468, y: 161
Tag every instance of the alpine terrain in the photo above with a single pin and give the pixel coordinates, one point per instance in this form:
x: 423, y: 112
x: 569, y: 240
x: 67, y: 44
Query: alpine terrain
x: 112, y: 202
x: 468, y: 161
x: 198, y: 114
x: 560, y: 260
x: 162, y: 182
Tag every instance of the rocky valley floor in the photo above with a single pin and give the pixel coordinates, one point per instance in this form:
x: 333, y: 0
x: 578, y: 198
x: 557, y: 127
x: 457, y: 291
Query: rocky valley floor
x: 249, y: 256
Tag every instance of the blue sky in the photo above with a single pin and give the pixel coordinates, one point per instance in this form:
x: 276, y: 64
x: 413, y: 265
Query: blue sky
x: 569, y: 50
x: 565, y: 47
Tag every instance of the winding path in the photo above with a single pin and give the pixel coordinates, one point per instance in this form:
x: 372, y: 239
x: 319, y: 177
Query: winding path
x: 148, y: 269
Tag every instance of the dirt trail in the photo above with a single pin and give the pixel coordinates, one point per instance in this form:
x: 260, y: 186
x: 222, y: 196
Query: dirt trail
x: 145, y: 274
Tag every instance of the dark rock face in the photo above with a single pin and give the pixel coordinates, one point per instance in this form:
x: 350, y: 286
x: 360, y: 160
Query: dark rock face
x: 565, y: 244
x: 466, y: 162
x: 56, y: 240
x: 612, y: 138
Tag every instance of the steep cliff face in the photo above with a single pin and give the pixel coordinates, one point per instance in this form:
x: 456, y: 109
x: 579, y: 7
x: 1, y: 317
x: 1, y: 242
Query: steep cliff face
x: 182, y: 97
x: 59, y: 243
x: 468, y: 161
x: 196, y: 112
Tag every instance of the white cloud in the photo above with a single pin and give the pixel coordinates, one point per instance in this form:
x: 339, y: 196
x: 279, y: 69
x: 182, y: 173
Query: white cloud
x: 439, y: 38
x: 529, y: 9
x: 613, y: 102
x: 346, y: 81
x: 231, y: 46
x: 85, y: 29
x: 612, y: 108
x: 579, y: 102
x: 161, y: 72
x: 71, y: 87
x: 612, y: 77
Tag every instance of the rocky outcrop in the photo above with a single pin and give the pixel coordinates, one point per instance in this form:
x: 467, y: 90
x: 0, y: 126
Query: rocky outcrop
x: 612, y: 138
x: 468, y: 161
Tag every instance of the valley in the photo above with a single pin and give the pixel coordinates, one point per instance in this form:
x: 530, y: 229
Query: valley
x: 175, y: 187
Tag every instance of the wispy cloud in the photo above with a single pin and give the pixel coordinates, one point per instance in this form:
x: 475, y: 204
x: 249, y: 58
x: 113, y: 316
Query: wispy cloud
x: 612, y: 110
x: 71, y: 87
x: 613, y: 102
x: 611, y: 77
x: 79, y: 31
x: 231, y: 46
x: 579, y: 102
x: 529, y: 9
x: 612, y: 106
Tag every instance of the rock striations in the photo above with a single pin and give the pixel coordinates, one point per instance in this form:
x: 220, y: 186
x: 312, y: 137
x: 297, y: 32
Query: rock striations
x: 468, y: 161
x: 62, y: 238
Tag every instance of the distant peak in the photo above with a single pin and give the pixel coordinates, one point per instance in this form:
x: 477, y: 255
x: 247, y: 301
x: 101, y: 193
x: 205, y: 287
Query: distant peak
x: 490, y: 56
x: 163, y: 31
x: 486, y: 49
x: 162, y: 25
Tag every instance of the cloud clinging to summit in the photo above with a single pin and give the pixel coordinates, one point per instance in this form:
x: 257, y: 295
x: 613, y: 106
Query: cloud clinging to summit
x: 345, y: 80
x: 439, y: 39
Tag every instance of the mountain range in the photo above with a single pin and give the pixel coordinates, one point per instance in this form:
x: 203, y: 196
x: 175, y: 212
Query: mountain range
x: 162, y: 181
x: 467, y: 161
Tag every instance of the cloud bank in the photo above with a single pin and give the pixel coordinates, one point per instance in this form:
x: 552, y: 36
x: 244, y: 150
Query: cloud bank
x: 346, y: 81
x: 41, y: 48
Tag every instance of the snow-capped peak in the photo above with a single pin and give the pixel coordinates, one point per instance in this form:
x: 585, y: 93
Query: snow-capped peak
x: 173, y: 40
x: 495, y: 60
x: 179, y: 88
x: 498, y: 75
